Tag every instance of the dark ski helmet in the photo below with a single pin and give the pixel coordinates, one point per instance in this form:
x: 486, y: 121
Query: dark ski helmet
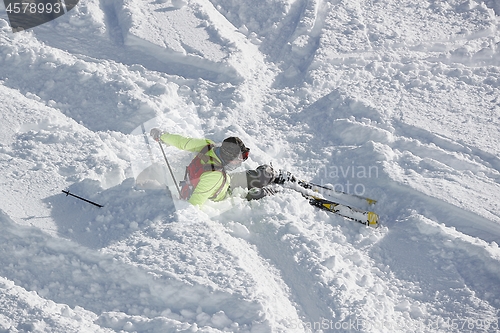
x: 232, y: 149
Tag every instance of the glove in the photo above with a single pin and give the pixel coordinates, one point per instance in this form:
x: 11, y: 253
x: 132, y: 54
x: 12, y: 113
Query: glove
x: 259, y: 193
x: 156, y: 133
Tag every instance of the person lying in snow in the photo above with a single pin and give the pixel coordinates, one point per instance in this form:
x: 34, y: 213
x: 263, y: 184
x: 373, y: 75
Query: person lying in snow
x: 206, y: 176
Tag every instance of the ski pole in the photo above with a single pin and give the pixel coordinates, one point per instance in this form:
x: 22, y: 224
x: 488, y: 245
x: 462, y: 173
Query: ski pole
x: 76, y: 196
x: 170, y: 169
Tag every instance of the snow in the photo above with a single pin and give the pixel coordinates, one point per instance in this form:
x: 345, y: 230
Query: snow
x: 395, y: 100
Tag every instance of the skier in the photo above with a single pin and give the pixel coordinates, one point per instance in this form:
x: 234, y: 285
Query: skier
x: 206, y: 176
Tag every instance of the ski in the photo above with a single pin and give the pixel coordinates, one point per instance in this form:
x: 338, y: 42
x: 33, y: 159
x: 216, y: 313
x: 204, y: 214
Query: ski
x: 310, y: 191
x: 322, y: 189
x: 334, y: 193
x: 365, y: 217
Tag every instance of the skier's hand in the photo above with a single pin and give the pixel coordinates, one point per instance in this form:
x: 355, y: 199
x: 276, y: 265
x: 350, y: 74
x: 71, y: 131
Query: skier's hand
x: 156, y: 133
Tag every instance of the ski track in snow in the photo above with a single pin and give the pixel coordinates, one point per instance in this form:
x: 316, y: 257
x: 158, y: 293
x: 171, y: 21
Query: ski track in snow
x: 397, y: 98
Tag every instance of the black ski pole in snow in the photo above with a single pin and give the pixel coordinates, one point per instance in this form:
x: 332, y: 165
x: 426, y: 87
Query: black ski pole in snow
x: 76, y: 196
x: 170, y: 169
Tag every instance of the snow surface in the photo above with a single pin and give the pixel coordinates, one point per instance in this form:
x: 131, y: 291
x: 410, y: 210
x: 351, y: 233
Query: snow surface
x: 397, y: 99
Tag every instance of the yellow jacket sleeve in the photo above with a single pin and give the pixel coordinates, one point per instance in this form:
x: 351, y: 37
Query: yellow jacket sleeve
x: 184, y: 143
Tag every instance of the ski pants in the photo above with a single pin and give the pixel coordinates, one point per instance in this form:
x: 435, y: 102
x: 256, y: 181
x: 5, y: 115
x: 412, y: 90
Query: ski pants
x: 254, y: 181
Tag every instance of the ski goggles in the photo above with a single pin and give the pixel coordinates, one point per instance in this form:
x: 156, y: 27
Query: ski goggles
x: 245, y: 153
x: 243, y: 156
